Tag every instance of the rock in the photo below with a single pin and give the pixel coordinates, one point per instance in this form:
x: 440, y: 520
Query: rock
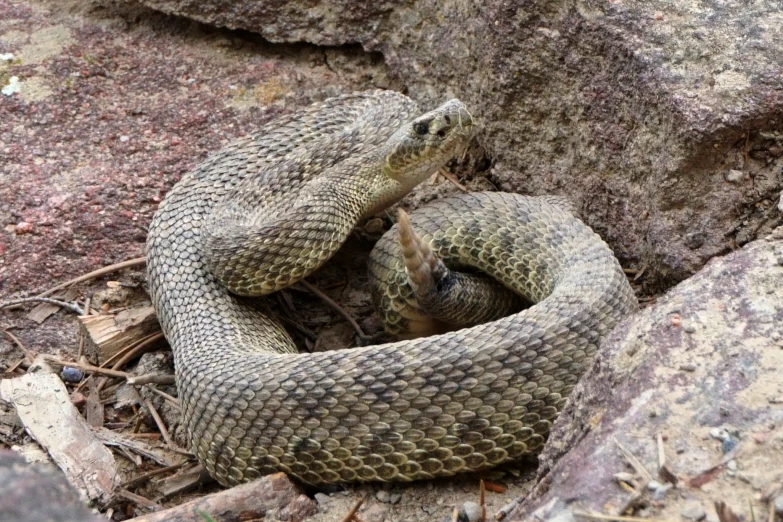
x: 38, y: 492
x: 472, y: 511
x: 728, y: 445
x: 23, y: 228
x: 375, y: 513
x: 322, y: 500
x: 383, y: 496
x: 637, y: 118
x: 659, y: 493
x: 778, y: 503
x: 734, y: 176
x: 693, y: 510
x: 636, y: 371
x: 78, y: 399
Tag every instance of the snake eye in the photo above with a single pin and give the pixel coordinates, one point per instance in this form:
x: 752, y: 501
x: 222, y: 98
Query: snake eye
x: 422, y: 127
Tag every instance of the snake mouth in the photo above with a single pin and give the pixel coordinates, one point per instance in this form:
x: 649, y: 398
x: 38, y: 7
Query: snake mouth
x: 450, y: 118
x: 465, y: 118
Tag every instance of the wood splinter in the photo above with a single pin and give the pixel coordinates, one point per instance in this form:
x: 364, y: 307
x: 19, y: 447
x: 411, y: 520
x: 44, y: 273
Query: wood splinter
x: 251, y: 501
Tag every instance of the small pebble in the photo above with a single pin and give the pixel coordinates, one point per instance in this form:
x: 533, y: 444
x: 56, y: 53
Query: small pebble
x: 78, y: 400
x: 13, y: 86
x: 23, y: 228
x: 383, y: 496
x: 374, y: 226
x: 693, y: 510
x: 472, y: 511
x: 374, y: 513
x: 732, y: 465
x: 689, y: 328
x: 69, y: 374
x: 322, y: 499
x: 395, y: 497
x: 719, y: 433
x: 733, y: 176
x: 688, y: 367
x: 659, y: 490
x: 729, y: 444
x: 778, y: 503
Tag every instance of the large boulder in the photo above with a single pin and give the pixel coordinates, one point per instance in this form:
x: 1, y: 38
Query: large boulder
x: 701, y: 370
x: 38, y: 493
x: 659, y: 119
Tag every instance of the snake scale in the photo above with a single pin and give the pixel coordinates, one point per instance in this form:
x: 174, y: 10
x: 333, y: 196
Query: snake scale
x: 270, y: 208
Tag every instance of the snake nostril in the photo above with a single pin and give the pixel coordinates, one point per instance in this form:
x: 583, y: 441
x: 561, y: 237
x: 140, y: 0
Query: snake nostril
x: 422, y: 127
x: 447, y: 119
x: 442, y: 133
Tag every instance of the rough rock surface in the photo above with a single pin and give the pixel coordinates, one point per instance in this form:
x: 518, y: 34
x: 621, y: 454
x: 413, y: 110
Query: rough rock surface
x: 33, y: 493
x: 664, y: 121
x: 114, y: 107
x: 702, y: 369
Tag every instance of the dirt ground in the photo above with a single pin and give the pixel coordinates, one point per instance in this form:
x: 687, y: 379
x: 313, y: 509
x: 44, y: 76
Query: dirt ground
x: 114, y: 105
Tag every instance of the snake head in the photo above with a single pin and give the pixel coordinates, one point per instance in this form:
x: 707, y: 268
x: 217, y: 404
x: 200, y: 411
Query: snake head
x: 419, y: 148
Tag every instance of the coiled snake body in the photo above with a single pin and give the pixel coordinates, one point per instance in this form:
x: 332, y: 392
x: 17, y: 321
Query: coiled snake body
x: 271, y: 208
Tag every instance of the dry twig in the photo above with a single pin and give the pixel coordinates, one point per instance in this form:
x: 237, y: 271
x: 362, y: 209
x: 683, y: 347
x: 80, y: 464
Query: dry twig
x: 507, y: 509
x: 339, y: 309
x: 616, y: 518
x: 171, y: 400
x: 138, y: 349
x: 452, y: 179
x: 96, y: 273
x: 139, y: 500
x: 353, y: 511
x: 249, y: 501
x: 482, y: 500
x: 159, y: 423
x: 88, y: 368
x: 30, y: 356
x: 151, y: 378
x: 154, y: 473
x: 24, y: 300
x: 631, y: 458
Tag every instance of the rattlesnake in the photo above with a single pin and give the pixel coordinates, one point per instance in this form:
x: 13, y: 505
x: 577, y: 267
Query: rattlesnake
x: 269, y: 209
